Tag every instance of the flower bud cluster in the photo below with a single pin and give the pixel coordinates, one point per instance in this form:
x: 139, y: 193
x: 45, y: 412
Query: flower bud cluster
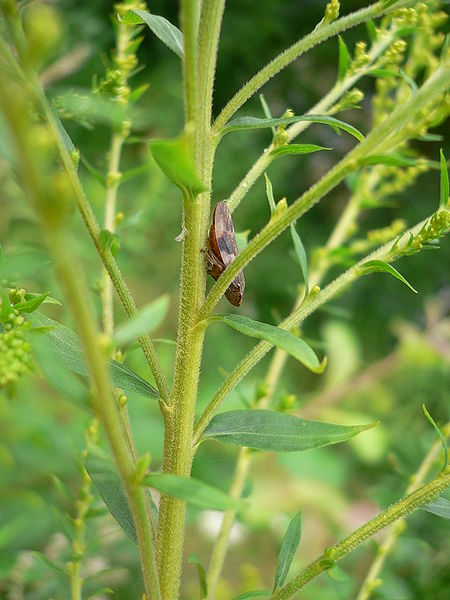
x: 15, y: 350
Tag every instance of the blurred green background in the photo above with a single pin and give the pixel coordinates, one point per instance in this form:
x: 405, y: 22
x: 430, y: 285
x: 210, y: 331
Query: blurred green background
x: 388, y: 349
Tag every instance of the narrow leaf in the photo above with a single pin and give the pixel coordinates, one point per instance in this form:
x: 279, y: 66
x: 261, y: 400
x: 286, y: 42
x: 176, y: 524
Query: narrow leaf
x: 147, y: 319
x: 371, y: 30
x: 344, y: 59
x: 193, y: 491
x: 103, y: 473
x: 289, y: 546
x: 285, y: 340
x: 68, y: 348
x: 269, y: 194
x: 242, y: 123
x: 337, y: 573
x: 278, y: 432
x: 266, y: 111
x: 375, y: 266
x: 391, y: 160
x: 194, y: 559
x: 301, y: 256
x: 47, y: 300
x: 170, y: 35
x: 440, y: 434
x: 386, y: 73
x: 439, y: 507
x: 296, y: 149
x: 48, y: 562
x: 253, y: 595
x: 444, y: 181
x: 31, y: 305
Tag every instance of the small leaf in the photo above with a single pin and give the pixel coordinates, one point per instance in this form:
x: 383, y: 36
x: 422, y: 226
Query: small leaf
x: 301, y: 256
x: 391, y: 160
x: 386, y: 73
x: 253, y: 595
x: 277, y: 432
x: 242, y: 123
x: 242, y: 239
x: 296, y: 149
x: 439, y: 507
x: 48, y: 299
x: 375, y: 266
x: 269, y: 194
x: 174, y: 158
x: 103, y: 473
x: 68, y: 348
x: 48, y: 562
x: 6, y: 308
x: 337, y: 573
x: 371, y: 30
x: 138, y: 92
x: 110, y: 241
x: 344, y: 59
x: 440, y: 434
x: 31, y: 305
x: 289, y: 546
x: 194, y: 559
x: 147, y: 319
x: 193, y: 491
x: 285, y: 340
x: 266, y: 111
x: 95, y: 174
x: 170, y: 35
x: 444, y: 181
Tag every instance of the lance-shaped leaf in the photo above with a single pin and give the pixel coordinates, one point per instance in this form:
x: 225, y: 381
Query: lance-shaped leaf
x: 440, y: 434
x: 269, y: 194
x: 396, y: 160
x: 378, y: 266
x: 253, y: 595
x: 285, y: 340
x: 175, y: 160
x: 277, y: 432
x: 242, y: 123
x: 439, y: 507
x: 296, y: 149
x: 146, y: 320
x: 68, y: 348
x: 32, y: 304
x: 344, y: 59
x: 170, y: 35
x: 289, y: 546
x: 444, y: 181
x: 194, y: 559
x: 386, y: 73
x: 193, y: 491
x: 301, y: 256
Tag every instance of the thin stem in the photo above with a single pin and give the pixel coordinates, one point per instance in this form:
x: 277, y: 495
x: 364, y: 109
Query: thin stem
x: 380, y: 138
x: 281, y: 61
x: 372, y: 581
x: 403, y: 507
x: 190, y: 12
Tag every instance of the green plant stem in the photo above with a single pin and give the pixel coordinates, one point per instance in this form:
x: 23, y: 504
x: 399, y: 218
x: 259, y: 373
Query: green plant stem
x: 372, y: 581
x: 383, y: 137
x: 310, y: 305
x: 281, y: 61
x: 336, y: 92
x: 190, y: 12
x: 419, y: 497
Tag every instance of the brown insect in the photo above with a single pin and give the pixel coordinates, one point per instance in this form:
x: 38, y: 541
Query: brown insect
x: 222, y: 250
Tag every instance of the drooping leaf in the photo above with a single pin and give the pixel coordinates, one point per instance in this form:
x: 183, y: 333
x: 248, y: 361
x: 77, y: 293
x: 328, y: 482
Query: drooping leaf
x: 277, y: 432
x: 296, y: 149
x: 440, y: 434
x: 387, y: 73
x: 394, y: 160
x: 242, y: 123
x: 175, y: 160
x: 48, y: 562
x: 95, y: 173
x: 269, y: 194
x: 68, y: 348
x: 147, y: 319
x: 289, y: 546
x: 31, y: 305
x: 301, y: 256
x: 193, y: 491
x: 378, y: 266
x: 344, y: 59
x: 170, y: 35
x: 253, y: 595
x: 285, y: 340
x: 103, y: 473
x: 337, y: 573
x: 371, y: 30
x: 439, y: 507
x: 444, y: 181
x: 194, y: 559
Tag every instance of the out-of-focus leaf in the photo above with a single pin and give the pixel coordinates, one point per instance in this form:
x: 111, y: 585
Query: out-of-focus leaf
x: 344, y: 59
x: 170, y: 35
x: 440, y: 434
x: 253, y: 595
x: 52, y: 565
x: 193, y: 491
x: 23, y: 264
x: 439, y: 507
x: 289, y: 546
x: 31, y: 305
x: 296, y: 149
x: 377, y: 266
x: 444, y: 181
x: 147, y: 319
x: 337, y: 573
x: 285, y: 340
x: 371, y: 30
x: 194, y: 559
x: 278, y: 432
x: 301, y: 256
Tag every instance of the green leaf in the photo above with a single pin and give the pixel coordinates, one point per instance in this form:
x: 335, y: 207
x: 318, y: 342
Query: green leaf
x: 103, y: 473
x: 278, y: 432
x: 138, y: 92
x: 67, y: 345
x: 175, y: 160
x: 378, y: 266
x: 47, y: 300
x: 266, y: 111
x: 6, y: 308
x: 170, y: 35
x: 252, y: 595
x: 386, y: 73
x: 242, y: 239
x: 48, y: 562
x: 371, y: 30
x: 444, y: 181
x: 439, y: 507
x: 301, y: 256
x: 391, y: 160
x: 440, y: 434
x: 242, y: 123
x: 296, y: 149
x: 337, y: 573
x: 110, y: 240
x: 269, y: 194
x: 344, y: 59
x: 285, y: 340
x: 147, y: 319
x: 193, y: 491
x: 31, y: 305
x: 289, y: 546
x: 194, y: 559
